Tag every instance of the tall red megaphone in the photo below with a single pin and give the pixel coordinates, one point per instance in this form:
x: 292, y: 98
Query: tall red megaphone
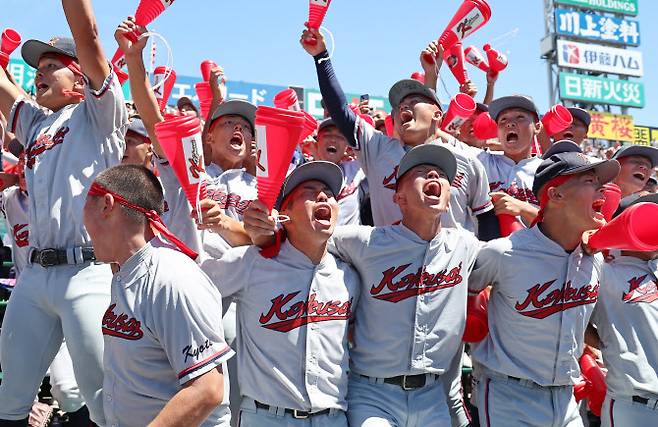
x: 206, y: 67
x: 581, y: 390
x: 390, y: 127
x: 477, y: 323
x: 484, y: 127
x: 461, y: 108
x: 557, y: 119
x: 317, y: 9
x: 163, y: 82
x: 475, y: 57
x: 204, y: 93
x: 418, y: 76
x: 310, y: 125
x: 180, y: 139
x: 497, y: 61
x: 287, y: 100
x: 456, y: 61
x: 592, y: 373
x: 146, y: 12
x: 508, y: 224
x: 612, y: 194
x: 278, y: 132
x: 632, y: 230
x: 10, y: 41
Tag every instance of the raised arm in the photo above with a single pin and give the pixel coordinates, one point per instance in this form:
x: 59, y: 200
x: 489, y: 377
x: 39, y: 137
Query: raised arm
x: 94, y: 64
x: 431, y: 69
x: 491, y: 83
x: 140, y: 86
x: 8, y: 93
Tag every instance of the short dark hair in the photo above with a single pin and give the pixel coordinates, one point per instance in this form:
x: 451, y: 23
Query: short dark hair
x: 136, y: 184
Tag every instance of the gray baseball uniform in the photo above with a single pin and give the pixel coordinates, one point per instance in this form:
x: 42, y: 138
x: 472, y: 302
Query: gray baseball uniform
x: 626, y: 317
x: 162, y: 329
x: 65, y: 150
x: 292, y: 330
x: 354, y: 190
x: 541, y: 301
x: 510, y: 177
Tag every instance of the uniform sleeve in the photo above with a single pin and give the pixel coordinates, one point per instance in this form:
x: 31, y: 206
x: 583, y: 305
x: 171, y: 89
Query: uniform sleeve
x: 479, y: 202
x: 487, y: 266
x: 106, y: 108
x: 231, y: 272
x: 23, y: 117
x: 188, y: 325
x: 347, y: 242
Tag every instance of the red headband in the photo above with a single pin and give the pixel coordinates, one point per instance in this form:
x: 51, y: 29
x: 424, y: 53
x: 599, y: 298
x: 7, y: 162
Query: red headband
x: 154, y: 219
x: 543, y: 195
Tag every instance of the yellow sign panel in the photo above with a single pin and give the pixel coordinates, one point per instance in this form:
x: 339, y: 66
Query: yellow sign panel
x: 613, y: 127
x: 645, y: 135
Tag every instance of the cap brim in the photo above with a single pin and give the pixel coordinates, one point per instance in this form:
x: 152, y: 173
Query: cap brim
x: 499, y: 105
x: 429, y: 154
x: 606, y: 170
x: 633, y: 199
x: 562, y: 146
x: 404, y: 88
x: 326, y: 123
x: 639, y: 150
x: 319, y: 170
x: 580, y: 114
x: 33, y: 50
x: 137, y: 126
x: 236, y: 107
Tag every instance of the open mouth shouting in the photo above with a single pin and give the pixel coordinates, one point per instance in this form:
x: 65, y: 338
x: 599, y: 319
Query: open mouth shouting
x: 322, y: 215
x: 42, y: 88
x: 332, y: 149
x: 237, y: 141
x: 406, y: 116
x: 432, y: 190
x: 640, y: 176
x: 597, y: 206
x: 512, y: 137
x: 568, y: 135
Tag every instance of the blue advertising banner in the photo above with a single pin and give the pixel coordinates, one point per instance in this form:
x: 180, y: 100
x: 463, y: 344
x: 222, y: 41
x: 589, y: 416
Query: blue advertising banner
x: 597, y: 27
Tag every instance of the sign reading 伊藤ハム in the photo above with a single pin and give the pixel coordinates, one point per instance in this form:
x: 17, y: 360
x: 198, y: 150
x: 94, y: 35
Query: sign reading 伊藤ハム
x: 597, y: 90
x: 607, y: 29
x: 626, y: 7
x: 599, y: 58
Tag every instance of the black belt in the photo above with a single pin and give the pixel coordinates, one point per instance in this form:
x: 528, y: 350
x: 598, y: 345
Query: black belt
x: 296, y: 414
x: 51, y: 257
x: 641, y: 400
x: 407, y: 382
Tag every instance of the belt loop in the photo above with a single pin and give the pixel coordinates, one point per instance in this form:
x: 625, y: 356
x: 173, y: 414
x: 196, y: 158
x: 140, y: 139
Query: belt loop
x: 279, y: 411
x: 30, y: 253
x: 79, y: 255
x: 70, y: 256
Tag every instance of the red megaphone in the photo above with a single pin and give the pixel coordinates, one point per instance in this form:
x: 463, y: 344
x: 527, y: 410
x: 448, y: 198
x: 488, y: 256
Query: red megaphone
x: 317, y: 9
x: 475, y: 57
x: 581, y: 390
x: 10, y: 41
x: 204, y: 93
x: 461, y: 108
x: 612, y: 194
x: 206, y: 68
x: 557, y: 119
x: 456, y: 61
x: 632, y: 230
x: 484, y: 127
x: 477, y: 323
x: 508, y: 224
x: 390, y: 127
x: 592, y: 373
x: 418, y: 76
x: 161, y: 89
x: 287, y: 100
x: 497, y: 61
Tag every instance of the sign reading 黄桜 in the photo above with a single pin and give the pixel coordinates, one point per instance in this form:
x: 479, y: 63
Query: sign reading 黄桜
x: 613, y: 127
x: 626, y: 7
x: 598, y: 90
x: 645, y: 135
x: 599, y: 58
x: 597, y: 27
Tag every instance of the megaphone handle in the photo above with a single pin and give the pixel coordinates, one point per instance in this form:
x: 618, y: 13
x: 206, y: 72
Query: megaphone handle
x: 429, y: 58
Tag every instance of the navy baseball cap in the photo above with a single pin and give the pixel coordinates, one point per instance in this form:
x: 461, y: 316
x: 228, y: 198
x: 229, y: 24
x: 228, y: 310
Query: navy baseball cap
x: 406, y: 87
x: 562, y: 146
x: 325, y: 124
x: 318, y: 170
x: 580, y: 114
x: 523, y: 102
x: 236, y: 107
x: 647, y: 151
x: 429, y: 154
x: 633, y: 199
x: 33, y: 50
x: 137, y: 125
x: 572, y: 162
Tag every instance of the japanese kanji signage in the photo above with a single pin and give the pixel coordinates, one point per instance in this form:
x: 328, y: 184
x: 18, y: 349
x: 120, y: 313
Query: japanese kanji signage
x: 599, y: 58
x: 613, y: 127
x: 598, y: 90
x: 22, y: 74
x: 597, y: 27
x: 626, y: 7
x: 645, y: 135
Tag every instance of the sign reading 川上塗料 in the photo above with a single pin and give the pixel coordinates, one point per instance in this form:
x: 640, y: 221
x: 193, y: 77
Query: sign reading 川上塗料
x: 597, y: 27
x: 613, y: 127
x: 599, y: 58
x: 598, y: 90
x: 626, y: 7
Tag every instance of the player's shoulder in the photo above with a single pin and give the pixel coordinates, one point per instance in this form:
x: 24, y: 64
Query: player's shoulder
x: 353, y: 232
x: 461, y: 235
x: 176, y: 274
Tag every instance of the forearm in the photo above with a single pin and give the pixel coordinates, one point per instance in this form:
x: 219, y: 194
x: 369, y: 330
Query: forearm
x: 8, y: 94
x: 334, y: 97
x: 234, y: 233
x: 489, y: 94
x: 529, y: 213
x: 431, y: 80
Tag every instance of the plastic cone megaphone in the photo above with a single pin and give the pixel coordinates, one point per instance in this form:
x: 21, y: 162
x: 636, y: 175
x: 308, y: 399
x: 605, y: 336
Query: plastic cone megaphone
x: 204, y: 93
x: 592, y: 373
x: 475, y: 57
x: 471, y: 15
x: 278, y: 132
x: 161, y: 89
x: 461, y: 108
x: 118, y: 61
x: 418, y: 76
x: 180, y: 139
x: 287, y: 100
x: 317, y: 9
x: 557, y: 119
x: 390, y: 127
x: 456, y: 61
x: 310, y: 125
x: 632, y: 230
x: 10, y: 41
x: 509, y: 224
x: 477, y: 322
x: 581, y: 390
x: 497, y: 61
x: 206, y: 67
x: 484, y: 127
x: 612, y: 194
